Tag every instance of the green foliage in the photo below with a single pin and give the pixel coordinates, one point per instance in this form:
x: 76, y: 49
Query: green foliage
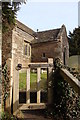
x: 5, y: 83
x: 7, y: 116
x: 58, y: 64
x: 9, y: 11
x: 66, y: 100
x: 74, y: 42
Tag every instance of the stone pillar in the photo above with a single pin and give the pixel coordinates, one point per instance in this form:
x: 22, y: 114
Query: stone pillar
x: 15, y: 78
x: 28, y: 86
x: 38, y: 84
x: 49, y: 76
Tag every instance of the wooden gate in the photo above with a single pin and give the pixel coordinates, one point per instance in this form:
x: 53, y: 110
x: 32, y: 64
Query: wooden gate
x: 49, y: 66
x: 13, y: 102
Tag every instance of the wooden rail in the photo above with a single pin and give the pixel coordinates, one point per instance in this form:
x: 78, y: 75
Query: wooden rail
x: 32, y: 106
x: 41, y: 65
x: 35, y: 65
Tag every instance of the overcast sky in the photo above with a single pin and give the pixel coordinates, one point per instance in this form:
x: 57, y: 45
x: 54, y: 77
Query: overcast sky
x: 49, y: 15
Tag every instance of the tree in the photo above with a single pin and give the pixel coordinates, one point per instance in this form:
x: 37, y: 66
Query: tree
x: 74, y: 42
x: 9, y: 11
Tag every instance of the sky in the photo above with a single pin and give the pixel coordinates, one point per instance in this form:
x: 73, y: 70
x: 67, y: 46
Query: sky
x: 46, y: 15
x: 79, y: 13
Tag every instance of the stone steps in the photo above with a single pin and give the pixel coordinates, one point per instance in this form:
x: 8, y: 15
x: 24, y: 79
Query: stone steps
x: 34, y: 115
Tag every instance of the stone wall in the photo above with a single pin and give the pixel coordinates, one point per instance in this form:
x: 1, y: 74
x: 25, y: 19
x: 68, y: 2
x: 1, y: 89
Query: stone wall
x: 6, y: 46
x: 13, y: 49
x: 51, y: 50
x: 18, y: 39
x: 13, y: 42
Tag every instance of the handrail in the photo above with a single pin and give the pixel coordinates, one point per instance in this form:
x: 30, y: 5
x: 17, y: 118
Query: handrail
x: 73, y: 81
x: 66, y: 73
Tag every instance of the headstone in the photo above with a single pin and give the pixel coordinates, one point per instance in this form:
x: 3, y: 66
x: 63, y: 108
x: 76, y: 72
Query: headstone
x: 74, y: 62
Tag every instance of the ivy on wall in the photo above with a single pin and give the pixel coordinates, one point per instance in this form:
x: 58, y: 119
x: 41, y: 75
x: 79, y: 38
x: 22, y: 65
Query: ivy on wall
x: 66, y: 100
x: 5, y: 84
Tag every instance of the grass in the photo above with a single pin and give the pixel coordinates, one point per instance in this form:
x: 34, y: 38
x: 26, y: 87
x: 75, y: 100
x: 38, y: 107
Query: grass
x: 33, y: 81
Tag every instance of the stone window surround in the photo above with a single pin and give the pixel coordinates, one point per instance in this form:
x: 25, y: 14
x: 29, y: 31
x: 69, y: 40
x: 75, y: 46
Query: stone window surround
x: 27, y: 49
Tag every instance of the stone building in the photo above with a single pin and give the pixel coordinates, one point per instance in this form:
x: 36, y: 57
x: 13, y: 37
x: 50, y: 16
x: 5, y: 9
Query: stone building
x: 16, y: 44
x: 16, y: 49
x: 25, y: 45
x: 22, y: 45
x: 50, y: 44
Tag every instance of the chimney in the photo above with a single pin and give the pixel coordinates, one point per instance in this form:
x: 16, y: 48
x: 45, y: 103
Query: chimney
x: 37, y: 30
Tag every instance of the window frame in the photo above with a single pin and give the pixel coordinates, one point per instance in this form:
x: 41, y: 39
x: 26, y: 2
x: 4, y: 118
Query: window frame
x: 43, y: 55
x: 27, y: 49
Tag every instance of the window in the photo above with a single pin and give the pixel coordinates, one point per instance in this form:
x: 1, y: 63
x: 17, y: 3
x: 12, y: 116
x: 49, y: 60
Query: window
x: 26, y: 49
x: 29, y: 50
x: 64, y: 56
x: 43, y: 55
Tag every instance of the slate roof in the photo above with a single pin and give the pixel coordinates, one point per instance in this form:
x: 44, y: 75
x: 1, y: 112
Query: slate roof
x: 45, y: 36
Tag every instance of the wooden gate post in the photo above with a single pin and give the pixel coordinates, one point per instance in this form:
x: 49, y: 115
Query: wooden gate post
x: 28, y: 86
x: 38, y: 84
x: 49, y: 77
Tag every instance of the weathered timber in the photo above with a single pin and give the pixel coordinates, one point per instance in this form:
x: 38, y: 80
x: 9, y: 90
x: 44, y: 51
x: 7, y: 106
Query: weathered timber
x: 38, y: 84
x: 28, y: 86
x: 73, y: 81
x: 42, y: 65
x: 32, y: 106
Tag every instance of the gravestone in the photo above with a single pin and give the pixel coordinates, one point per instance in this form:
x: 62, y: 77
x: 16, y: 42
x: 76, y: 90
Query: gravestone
x: 74, y: 62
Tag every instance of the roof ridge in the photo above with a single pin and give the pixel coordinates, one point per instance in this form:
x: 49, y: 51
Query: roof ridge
x: 48, y: 30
